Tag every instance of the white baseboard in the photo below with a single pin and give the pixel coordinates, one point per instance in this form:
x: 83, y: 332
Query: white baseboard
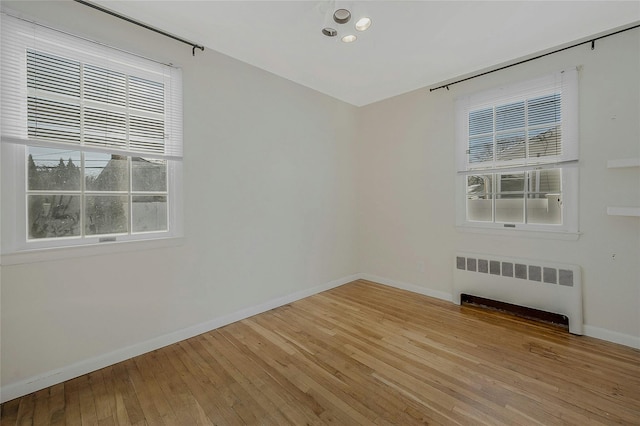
x: 612, y: 336
x: 409, y: 287
x: 33, y: 384
x: 50, y: 378
x: 589, y: 330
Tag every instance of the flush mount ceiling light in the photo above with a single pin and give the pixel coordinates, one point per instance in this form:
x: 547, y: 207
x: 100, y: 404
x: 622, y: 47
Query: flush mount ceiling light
x: 341, y: 16
x: 349, y: 38
x: 363, y: 24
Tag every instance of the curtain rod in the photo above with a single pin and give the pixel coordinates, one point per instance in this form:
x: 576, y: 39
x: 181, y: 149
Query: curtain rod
x: 194, y: 46
x: 593, y: 46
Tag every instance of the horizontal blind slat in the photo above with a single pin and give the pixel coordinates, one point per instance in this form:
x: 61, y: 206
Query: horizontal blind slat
x: 481, y: 121
x: 510, y: 116
x: 481, y: 149
x: 545, y: 109
x: 105, y: 85
x: 510, y: 146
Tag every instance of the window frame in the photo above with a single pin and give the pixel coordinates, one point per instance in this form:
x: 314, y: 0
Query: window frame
x: 14, y: 148
x: 564, y: 82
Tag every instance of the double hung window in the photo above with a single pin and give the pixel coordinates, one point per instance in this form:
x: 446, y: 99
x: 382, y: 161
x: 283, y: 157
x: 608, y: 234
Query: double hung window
x: 91, y: 141
x: 517, y: 149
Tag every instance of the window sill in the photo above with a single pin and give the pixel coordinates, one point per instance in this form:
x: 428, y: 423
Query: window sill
x: 522, y: 233
x: 60, y: 253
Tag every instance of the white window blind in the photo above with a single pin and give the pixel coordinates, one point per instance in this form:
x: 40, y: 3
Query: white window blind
x: 62, y: 91
x: 528, y: 124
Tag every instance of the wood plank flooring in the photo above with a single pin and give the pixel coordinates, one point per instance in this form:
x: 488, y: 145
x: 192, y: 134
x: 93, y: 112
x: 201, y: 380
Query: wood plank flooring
x: 360, y: 354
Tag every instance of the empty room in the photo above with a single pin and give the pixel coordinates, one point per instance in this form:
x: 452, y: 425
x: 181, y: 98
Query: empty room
x: 315, y: 212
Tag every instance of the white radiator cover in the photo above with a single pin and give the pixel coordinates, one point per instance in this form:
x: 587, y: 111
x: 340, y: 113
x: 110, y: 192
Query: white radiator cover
x: 547, y: 286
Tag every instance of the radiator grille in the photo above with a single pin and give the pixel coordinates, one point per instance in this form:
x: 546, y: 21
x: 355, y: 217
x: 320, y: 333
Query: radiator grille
x: 536, y: 273
x: 544, y: 285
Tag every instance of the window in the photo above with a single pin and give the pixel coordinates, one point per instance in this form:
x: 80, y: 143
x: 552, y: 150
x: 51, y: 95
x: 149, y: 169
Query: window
x: 91, y: 142
x: 517, y: 149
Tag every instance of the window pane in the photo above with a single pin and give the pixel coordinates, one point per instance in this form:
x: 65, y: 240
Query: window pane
x: 53, y: 74
x: 480, y: 209
x: 511, y: 209
x: 544, y: 210
x: 53, y: 216
x: 479, y: 186
x: 146, y: 95
x: 149, y: 213
x: 105, y: 172
x: 149, y: 174
x: 53, y: 120
x: 510, y: 183
x: 545, y: 141
x: 106, y: 128
x: 103, y: 85
x: 480, y: 198
x: 53, y: 169
x: 481, y: 149
x: 146, y: 134
x: 510, y: 197
x: 481, y: 121
x: 544, y: 110
x: 545, y: 181
x: 106, y: 214
x: 544, y: 202
x: 510, y: 146
x: 510, y: 116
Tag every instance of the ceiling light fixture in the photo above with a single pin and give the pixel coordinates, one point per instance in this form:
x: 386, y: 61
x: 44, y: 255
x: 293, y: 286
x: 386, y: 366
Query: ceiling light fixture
x: 349, y: 38
x: 363, y: 24
x: 341, y: 16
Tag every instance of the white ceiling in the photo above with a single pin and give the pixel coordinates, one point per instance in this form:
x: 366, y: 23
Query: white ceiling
x: 411, y: 44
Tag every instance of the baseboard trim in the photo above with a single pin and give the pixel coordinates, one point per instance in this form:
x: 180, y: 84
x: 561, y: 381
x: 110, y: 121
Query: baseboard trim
x: 36, y: 383
x: 612, y: 336
x: 50, y: 378
x: 409, y: 287
x: 589, y: 330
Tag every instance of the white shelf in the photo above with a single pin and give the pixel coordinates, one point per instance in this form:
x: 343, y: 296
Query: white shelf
x: 623, y: 211
x: 618, y: 164
x: 624, y: 162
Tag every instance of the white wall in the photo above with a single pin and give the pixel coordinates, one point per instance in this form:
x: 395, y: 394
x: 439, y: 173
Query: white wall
x: 406, y: 205
x: 268, y: 204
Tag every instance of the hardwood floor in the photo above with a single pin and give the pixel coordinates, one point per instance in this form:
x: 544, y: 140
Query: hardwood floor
x: 358, y: 354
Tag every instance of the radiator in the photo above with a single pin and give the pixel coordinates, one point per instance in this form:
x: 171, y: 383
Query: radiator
x: 547, y: 286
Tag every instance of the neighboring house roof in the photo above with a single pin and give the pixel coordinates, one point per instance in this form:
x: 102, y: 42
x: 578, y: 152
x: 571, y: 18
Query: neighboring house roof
x: 148, y: 175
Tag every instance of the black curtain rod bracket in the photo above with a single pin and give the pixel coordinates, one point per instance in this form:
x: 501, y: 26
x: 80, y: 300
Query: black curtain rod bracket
x: 145, y: 26
x: 193, y: 50
x: 593, y: 46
